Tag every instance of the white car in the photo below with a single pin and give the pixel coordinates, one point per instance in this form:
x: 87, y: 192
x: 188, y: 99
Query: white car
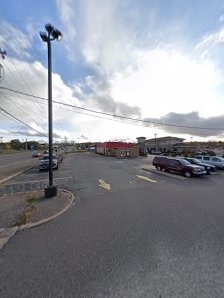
x: 213, y: 160
x: 44, y: 163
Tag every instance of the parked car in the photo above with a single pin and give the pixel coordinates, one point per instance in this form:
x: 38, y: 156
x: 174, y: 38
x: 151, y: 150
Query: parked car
x: 208, y: 167
x: 44, y: 162
x: 36, y: 154
x: 213, y: 160
x: 178, y: 165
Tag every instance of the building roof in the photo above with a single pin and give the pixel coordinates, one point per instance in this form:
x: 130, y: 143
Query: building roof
x: 166, y: 139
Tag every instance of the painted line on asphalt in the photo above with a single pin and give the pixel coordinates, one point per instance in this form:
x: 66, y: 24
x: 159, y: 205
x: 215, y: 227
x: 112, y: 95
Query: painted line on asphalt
x: 42, y: 180
x: 15, y: 163
x: 104, y: 184
x: 15, y: 175
x: 46, y: 173
x: 146, y: 179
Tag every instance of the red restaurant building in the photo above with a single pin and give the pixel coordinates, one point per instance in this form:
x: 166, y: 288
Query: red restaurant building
x: 117, y: 149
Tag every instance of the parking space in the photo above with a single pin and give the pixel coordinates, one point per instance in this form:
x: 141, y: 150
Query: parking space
x: 33, y: 179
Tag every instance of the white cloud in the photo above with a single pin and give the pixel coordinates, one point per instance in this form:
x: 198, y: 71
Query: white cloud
x: 209, y: 42
x: 168, y: 80
x: 68, y: 16
x: 15, y: 40
x: 107, y: 40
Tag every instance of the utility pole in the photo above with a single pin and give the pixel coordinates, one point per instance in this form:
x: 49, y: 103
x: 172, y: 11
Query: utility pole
x: 3, y: 54
x: 1, y: 143
x: 155, y: 141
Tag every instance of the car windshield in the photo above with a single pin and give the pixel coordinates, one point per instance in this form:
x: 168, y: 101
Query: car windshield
x: 46, y: 157
x: 196, y: 160
x: 184, y: 162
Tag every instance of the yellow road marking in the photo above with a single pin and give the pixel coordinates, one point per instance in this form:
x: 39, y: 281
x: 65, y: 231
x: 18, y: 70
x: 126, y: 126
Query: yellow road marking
x: 104, y: 184
x: 146, y: 178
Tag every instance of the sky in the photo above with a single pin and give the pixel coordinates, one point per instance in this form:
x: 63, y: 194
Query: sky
x: 123, y: 69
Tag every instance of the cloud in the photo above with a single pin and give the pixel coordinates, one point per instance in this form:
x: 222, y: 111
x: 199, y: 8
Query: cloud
x: 15, y: 40
x: 68, y: 16
x: 83, y: 137
x: 210, y: 42
x: 108, y: 34
x: 192, y: 120
x: 96, y: 92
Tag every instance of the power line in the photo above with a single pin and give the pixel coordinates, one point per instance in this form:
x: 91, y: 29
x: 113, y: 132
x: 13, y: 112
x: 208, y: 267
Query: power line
x: 25, y: 84
x: 82, y: 113
x: 104, y: 118
x: 17, y: 119
x: 41, y: 117
x: 115, y: 115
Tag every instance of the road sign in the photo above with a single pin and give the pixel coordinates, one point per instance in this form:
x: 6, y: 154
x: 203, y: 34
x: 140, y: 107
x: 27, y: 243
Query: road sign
x: 32, y: 147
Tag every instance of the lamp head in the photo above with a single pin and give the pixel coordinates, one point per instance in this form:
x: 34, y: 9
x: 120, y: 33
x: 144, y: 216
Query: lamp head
x: 43, y: 36
x: 49, y: 28
x: 56, y: 34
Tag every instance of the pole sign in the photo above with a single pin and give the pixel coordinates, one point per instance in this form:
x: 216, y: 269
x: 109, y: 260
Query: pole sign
x: 32, y: 147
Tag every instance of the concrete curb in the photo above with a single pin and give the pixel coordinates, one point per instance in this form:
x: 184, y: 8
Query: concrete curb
x: 45, y: 220
x: 16, y: 174
x: 164, y: 174
x: 6, y: 234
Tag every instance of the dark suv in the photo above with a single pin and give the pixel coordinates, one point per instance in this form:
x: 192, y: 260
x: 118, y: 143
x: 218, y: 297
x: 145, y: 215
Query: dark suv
x: 208, y: 168
x: 176, y: 165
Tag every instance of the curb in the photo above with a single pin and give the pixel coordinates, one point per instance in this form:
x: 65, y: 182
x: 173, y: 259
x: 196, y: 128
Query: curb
x: 7, y: 233
x: 45, y: 220
x: 16, y: 174
x: 164, y: 174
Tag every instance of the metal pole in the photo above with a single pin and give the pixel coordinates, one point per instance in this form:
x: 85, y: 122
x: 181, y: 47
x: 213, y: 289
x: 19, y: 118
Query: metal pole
x: 50, y: 111
x: 155, y: 142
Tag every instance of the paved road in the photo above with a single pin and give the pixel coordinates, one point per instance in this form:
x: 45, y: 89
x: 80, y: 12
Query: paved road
x: 141, y: 238
x: 13, y: 163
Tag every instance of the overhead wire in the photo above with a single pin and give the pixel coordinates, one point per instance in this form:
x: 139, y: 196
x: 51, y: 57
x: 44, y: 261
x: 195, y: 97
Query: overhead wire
x: 115, y: 115
x: 15, y: 79
x: 26, y: 85
x: 20, y: 121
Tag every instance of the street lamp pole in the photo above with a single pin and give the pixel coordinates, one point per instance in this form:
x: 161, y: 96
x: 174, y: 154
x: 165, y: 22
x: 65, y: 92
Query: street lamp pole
x: 155, y: 142
x: 52, y: 34
x: 50, y: 117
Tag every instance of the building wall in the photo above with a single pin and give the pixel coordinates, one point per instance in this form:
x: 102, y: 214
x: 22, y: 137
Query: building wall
x: 118, y: 149
x: 126, y: 152
x: 161, y: 144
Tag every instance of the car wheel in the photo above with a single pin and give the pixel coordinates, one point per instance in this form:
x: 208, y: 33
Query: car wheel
x: 159, y: 168
x: 187, y: 174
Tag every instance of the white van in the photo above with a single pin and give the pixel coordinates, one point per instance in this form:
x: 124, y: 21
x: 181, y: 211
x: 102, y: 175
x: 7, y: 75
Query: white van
x: 213, y: 160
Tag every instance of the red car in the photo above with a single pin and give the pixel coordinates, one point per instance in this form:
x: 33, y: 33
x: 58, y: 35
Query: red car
x: 37, y: 154
x: 179, y: 166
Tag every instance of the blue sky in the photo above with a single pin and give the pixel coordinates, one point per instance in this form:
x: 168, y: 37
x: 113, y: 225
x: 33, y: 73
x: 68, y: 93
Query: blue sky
x: 161, y: 61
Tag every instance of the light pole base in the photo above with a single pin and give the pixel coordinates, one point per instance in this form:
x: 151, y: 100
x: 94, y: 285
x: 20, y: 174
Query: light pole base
x: 50, y: 191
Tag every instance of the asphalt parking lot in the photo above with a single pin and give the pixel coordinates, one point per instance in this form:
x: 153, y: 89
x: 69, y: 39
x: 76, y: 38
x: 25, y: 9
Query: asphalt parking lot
x: 132, y: 233
x: 65, y: 176
x: 33, y: 179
